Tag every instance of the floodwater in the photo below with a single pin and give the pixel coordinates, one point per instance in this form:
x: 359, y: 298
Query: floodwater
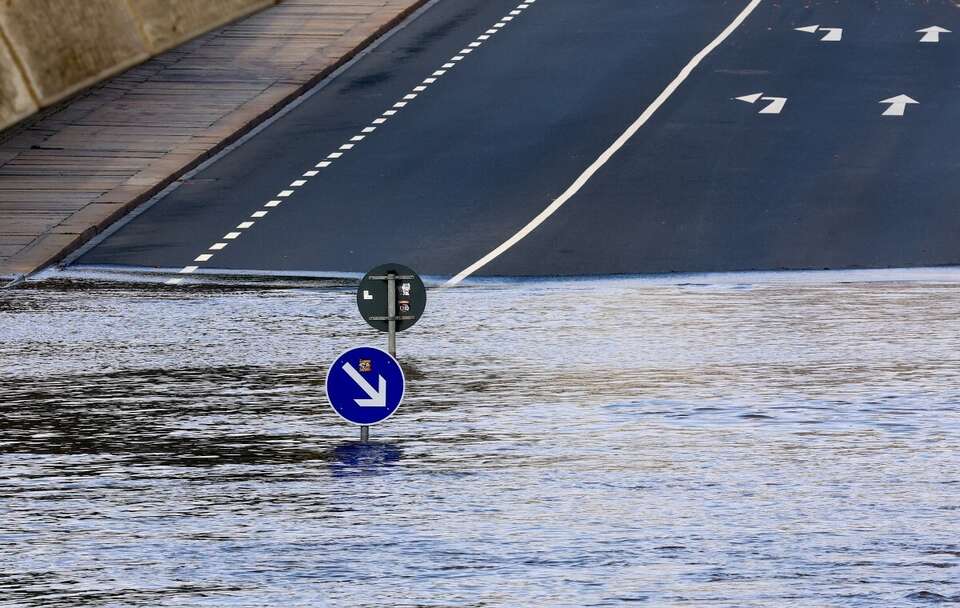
x: 563, y: 443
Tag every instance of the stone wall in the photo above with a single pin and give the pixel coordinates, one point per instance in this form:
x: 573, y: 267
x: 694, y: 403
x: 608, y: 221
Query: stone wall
x: 50, y: 49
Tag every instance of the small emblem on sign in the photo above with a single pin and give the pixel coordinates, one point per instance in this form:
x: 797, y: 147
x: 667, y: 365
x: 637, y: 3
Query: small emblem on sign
x: 404, y: 306
x: 405, y: 289
x: 366, y: 366
x: 367, y: 295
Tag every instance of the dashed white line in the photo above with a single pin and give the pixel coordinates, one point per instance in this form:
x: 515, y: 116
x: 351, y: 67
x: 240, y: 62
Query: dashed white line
x: 585, y: 177
x: 330, y: 158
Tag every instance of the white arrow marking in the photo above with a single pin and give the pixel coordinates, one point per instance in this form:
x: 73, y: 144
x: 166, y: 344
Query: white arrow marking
x: 750, y: 98
x: 367, y: 295
x: 378, y: 397
x: 774, y: 107
x: 932, y: 33
x: 898, y: 105
x: 833, y: 34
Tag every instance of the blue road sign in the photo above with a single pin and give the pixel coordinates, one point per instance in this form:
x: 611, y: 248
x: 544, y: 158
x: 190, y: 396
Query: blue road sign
x: 365, y: 385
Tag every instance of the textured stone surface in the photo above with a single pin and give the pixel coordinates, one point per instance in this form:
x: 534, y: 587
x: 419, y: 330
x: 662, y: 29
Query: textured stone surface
x: 65, y: 45
x: 15, y: 99
x: 167, y: 23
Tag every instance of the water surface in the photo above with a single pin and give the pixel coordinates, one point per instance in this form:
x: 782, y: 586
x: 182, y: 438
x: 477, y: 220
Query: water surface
x: 563, y: 443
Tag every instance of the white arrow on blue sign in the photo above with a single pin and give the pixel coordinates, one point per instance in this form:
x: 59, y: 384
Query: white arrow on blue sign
x: 365, y: 385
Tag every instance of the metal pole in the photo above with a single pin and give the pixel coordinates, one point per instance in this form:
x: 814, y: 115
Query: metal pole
x: 392, y: 313
x: 364, y: 433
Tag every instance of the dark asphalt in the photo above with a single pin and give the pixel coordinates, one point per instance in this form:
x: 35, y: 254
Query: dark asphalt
x: 708, y: 184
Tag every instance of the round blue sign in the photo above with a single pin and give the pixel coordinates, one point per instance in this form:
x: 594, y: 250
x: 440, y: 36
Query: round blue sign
x: 365, y: 385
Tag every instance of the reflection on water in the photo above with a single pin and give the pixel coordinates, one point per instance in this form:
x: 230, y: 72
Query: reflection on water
x: 563, y: 443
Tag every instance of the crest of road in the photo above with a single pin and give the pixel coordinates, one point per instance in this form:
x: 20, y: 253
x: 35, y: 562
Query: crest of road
x: 562, y: 137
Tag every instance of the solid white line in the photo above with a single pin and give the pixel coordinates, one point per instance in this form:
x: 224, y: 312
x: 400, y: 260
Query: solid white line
x: 613, y: 149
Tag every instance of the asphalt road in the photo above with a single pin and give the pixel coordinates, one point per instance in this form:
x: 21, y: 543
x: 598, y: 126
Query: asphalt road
x: 811, y: 173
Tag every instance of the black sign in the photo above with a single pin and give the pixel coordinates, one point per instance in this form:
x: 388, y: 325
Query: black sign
x: 411, y: 296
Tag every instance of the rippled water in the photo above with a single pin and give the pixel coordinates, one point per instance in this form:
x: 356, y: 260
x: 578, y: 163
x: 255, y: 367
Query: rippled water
x: 578, y: 443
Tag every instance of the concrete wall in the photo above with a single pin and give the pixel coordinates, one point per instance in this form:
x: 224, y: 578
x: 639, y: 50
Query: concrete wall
x: 50, y: 49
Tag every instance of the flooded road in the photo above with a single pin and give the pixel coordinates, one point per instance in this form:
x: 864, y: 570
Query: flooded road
x: 562, y: 443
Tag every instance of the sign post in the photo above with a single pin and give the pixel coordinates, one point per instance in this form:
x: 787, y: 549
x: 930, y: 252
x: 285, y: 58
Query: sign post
x: 391, y: 298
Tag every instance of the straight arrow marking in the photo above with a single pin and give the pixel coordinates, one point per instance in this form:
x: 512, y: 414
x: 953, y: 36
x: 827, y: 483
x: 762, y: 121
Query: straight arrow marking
x: 898, y: 105
x: 932, y: 33
x: 378, y: 396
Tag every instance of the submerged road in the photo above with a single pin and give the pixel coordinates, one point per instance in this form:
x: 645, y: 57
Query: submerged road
x: 562, y: 137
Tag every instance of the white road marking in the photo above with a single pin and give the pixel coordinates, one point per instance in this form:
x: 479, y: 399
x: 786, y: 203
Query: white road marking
x: 898, y: 105
x: 775, y: 106
x: 932, y: 33
x: 451, y: 63
x: 604, y: 158
x: 833, y: 34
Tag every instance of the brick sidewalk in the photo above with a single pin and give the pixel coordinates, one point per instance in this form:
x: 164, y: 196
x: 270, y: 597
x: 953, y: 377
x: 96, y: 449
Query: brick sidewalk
x: 67, y: 175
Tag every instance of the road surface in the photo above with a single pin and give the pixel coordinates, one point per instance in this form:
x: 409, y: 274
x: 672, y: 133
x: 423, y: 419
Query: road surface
x: 562, y: 137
